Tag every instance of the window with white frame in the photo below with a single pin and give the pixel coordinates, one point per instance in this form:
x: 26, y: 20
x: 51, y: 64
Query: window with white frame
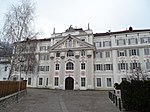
x: 148, y: 64
x: 122, y: 66
x: 56, y: 66
x: 29, y: 81
x: 97, y: 44
x: 40, y: 81
x: 132, y: 41
x: 108, y: 66
x: 121, y: 42
x: 82, y: 82
x: 122, y: 53
x: 83, y: 53
x: 145, y: 40
x: 43, y: 68
x: 70, y: 53
x: 107, y: 53
x: 109, y: 82
x: 44, y: 57
x: 98, y: 55
x: 135, y: 65
x: 98, y: 82
x: 43, y: 48
x: 146, y: 51
x: 82, y: 66
x: 134, y: 52
x: 98, y: 67
x: 69, y: 66
x: 56, y: 81
x: 106, y: 43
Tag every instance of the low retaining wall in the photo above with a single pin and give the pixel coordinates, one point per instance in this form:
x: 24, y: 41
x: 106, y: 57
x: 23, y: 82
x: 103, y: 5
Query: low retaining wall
x: 11, y: 99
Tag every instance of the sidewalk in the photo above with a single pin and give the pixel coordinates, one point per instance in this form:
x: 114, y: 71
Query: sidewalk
x: 42, y: 100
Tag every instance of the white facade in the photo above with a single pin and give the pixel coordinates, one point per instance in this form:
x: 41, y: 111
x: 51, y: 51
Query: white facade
x: 78, y: 59
x: 4, y: 68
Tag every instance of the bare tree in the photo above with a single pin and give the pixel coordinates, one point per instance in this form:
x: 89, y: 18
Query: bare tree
x: 139, y: 74
x: 19, y: 30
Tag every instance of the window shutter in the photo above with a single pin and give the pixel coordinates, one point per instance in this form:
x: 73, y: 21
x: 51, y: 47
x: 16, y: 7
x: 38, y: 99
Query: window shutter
x: 136, y: 41
x: 141, y: 40
x: 131, y: 66
x: 139, y: 65
x: 126, y: 66
x: 104, y: 67
x: 124, y: 41
x: 138, y: 52
x: 148, y: 39
x: 117, y: 42
x: 118, y: 53
x: 103, y: 44
x: 118, y: 66
x: 129, y: 41
x: 125, y: 52
x: 130, y: 52
x: 111, y: 66
x: 99, y: 44
x: 110, y: 43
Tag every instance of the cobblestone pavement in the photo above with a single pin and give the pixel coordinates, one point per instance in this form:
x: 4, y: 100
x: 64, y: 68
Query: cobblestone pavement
x: 45, y: 100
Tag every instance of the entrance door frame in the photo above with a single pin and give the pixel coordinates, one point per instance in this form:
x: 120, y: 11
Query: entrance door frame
x: 73, y: 83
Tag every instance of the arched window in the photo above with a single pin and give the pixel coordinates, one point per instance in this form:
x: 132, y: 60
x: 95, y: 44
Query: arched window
x: 69, y: 66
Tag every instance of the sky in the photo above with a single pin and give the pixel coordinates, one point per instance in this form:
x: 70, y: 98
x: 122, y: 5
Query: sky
x: 102, y: 15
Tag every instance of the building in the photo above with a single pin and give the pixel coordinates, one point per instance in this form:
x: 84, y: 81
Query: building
x: 4, y: 68
x: 80, y: 59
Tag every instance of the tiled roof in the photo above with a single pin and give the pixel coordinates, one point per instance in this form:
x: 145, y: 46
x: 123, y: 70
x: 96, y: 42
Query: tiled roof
x: 119, y: 32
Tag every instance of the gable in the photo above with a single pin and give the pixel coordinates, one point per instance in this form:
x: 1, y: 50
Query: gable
x: 71, y: 42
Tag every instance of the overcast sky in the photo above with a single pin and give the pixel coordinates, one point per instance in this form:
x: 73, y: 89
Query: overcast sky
x: 102, y: 15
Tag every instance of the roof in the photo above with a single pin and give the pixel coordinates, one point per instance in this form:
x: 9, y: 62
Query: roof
x: 119, y: 32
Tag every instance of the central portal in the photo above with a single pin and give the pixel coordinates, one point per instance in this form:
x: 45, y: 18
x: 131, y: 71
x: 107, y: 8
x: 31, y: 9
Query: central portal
x: 69, y: 83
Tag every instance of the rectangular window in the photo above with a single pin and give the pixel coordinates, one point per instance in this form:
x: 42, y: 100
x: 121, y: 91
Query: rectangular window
x: 109, y: 83
x: 57, y: 67
x: 98, y: 55
x: 44, y: 57
x: 122, y: 53
x: 121, y: 42
x: 82, y: 82
x: 134, y: 52
x: 147, y: 65
x: 97, y: 44
x: 82, y: 53
x: 42, y: 48
x: 122, y: 66
x: 132, y: 41
x: 98, y: 67
x: 98, y: 82
x: 106, y: 44
x: 29, y: 81
x: 146, y: 51
x: 56, y: 81
x: 108, y: 66
x: 41, y: 68
x: 145, y: 40
x: 135, y: 66
x: 46, y: 81
x: 57, y: 54
x: 40, y: 81
x: 47, y: 68
x: 107, y: 53
x: 82, y: 66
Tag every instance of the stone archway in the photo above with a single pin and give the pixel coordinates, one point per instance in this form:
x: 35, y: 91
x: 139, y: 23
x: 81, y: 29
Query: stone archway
x: 69, y: 83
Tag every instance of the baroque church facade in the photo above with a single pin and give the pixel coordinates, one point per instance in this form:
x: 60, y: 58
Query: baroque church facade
x: 79, y: 59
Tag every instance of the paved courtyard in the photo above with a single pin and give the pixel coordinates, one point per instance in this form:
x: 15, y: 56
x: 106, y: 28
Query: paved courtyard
x: 45, y: 100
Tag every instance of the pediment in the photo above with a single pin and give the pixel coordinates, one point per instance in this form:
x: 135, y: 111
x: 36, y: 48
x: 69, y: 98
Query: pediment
x: 71, y: 42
